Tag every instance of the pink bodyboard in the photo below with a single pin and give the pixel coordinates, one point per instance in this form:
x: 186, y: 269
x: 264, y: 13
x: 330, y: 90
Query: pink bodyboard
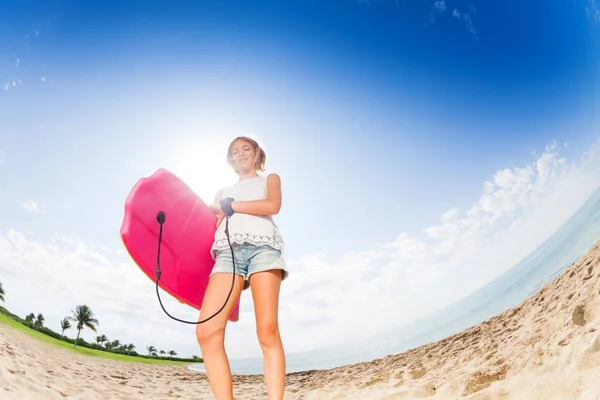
x: 188, y: 232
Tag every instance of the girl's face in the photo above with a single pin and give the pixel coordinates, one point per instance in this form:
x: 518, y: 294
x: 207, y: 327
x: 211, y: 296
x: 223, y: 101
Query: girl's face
x: 243, y: 156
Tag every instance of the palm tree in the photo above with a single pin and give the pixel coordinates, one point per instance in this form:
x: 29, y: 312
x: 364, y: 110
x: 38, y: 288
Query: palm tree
x: 122, y: 347
x: 64, y: 325
x: 101, y: 339
x: 39, y: 321
x: 172, y: 353
x: 1, y: 292
x: 151, y: 350
x: 84, y: 317
x: 30, y: 317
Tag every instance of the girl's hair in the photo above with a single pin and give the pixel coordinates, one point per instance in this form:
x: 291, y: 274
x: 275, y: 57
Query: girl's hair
x: 262, y: 156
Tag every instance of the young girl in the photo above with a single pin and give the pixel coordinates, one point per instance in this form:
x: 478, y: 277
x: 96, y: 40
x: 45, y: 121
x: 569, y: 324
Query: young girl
x: 259, y: 265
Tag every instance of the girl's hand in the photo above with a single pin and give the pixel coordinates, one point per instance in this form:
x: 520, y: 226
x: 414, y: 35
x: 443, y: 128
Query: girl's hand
x: 220, y: 219
x: 215, y: 208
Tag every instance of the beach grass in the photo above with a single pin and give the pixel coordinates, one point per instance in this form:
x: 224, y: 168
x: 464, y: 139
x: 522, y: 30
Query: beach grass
x: 83, y: 350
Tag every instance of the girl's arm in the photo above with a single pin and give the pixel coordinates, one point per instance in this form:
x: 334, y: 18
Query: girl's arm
x: 217, y: 210
x: 269, y: 206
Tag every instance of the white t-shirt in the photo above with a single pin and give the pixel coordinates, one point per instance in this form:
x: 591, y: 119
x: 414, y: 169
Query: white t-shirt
x: 245, y: 228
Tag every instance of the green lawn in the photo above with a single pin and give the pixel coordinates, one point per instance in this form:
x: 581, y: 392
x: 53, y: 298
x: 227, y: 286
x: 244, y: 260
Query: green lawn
x: 83, y: 350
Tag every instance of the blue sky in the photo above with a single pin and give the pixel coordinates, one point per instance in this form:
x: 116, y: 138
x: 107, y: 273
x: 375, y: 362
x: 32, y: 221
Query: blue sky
x: 380, y: 116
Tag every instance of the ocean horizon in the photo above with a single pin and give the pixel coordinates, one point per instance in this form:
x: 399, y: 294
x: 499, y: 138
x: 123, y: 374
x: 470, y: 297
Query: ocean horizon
x: 569, y: 243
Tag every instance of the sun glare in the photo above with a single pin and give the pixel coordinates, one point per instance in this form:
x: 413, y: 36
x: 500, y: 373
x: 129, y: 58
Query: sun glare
x: 201, y: 164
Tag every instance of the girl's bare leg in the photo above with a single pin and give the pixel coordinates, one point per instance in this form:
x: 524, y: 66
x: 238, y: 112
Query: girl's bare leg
x: 265, y: 294
x: 211, y: 334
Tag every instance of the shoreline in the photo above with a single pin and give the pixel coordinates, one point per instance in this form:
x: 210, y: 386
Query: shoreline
x: 523, y: 353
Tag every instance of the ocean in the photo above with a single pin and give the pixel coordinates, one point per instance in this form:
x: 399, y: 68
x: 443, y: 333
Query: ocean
x: 556, y: 254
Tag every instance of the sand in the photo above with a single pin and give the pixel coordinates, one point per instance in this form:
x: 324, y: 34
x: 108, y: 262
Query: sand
x: 546, y: 348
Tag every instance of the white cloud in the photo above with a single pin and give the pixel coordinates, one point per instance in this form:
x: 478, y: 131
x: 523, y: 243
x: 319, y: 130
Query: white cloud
x: 30, y: 206
x: 467, y: 19
x: 419, y: 273
x: 52, y: 275
x: 440, y: 6
x: 355, y: 296
x: 593, y: 11
x: 13, y: 83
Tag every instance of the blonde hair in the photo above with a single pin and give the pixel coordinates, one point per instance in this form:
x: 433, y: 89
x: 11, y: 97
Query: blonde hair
x: 261, y: 162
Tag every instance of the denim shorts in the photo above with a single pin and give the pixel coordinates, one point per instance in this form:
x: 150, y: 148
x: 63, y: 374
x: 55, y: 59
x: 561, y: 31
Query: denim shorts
x: 249, y: 259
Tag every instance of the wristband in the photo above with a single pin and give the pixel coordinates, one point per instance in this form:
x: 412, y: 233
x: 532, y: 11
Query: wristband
x: 226, y: 206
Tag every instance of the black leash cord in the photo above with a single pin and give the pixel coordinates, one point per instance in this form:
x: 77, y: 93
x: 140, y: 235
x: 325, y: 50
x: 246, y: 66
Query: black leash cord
x: 160, y: 217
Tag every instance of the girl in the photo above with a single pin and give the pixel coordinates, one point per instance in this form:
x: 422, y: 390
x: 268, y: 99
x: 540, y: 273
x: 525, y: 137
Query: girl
x: 259, y: 265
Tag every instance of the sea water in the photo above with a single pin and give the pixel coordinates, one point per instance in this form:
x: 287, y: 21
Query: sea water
x: 526, y: 278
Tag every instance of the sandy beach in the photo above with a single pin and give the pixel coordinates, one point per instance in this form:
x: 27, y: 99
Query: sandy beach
x: 546, y: 348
